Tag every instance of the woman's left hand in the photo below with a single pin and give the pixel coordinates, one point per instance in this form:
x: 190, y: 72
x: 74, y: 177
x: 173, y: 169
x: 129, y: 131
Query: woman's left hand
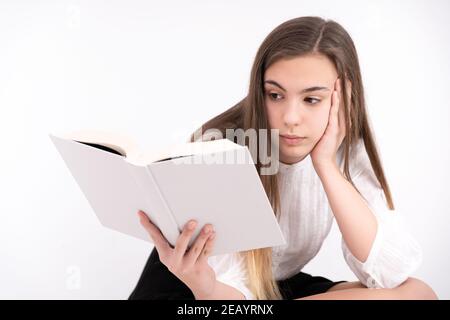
x: 324, y: 152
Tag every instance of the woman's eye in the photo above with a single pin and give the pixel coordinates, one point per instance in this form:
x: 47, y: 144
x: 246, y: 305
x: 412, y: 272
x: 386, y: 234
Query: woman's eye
x: 273, y: 96
x: 311, y: 100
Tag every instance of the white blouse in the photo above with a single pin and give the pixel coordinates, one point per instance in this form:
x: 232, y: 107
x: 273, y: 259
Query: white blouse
x: 306, y: 219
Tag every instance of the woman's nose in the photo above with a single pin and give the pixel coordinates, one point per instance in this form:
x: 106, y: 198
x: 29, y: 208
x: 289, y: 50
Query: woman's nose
x: 293, y: 115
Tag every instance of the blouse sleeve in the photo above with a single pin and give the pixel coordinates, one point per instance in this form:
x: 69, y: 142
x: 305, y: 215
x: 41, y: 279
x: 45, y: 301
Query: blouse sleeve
x: 395, y: 254
x: 230, y: 269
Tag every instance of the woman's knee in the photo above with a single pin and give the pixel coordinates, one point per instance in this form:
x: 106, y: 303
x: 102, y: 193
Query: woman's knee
x: 414, y: 288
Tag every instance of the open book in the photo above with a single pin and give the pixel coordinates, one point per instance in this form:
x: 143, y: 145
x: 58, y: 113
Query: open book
x: 210, y: 181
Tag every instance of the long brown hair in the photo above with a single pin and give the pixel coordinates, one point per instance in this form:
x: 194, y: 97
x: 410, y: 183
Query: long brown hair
x: 293, y: 38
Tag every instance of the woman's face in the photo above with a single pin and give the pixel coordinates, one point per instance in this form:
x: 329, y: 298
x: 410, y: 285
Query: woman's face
x: 297, y: 95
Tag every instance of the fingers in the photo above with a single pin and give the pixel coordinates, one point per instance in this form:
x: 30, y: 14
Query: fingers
x: 333, y: 120
x: 183, y: 239
x: 202, y: 245
x: 338, y: 111
x: 158, y: 239
x: 349, y: 97
x: 207, y: 249
x: 201, y: 249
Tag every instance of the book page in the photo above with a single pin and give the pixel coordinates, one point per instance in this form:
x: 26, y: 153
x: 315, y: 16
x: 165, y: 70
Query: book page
x: 182, y: 150
x: 115, y: 189
x: 228, y: 195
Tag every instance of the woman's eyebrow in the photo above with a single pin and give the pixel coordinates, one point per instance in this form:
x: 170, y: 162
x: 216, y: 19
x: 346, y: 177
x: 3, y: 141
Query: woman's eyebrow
x: 315, y: 88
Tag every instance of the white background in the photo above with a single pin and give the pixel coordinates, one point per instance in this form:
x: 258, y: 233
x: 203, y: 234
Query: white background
x: 156, y: 70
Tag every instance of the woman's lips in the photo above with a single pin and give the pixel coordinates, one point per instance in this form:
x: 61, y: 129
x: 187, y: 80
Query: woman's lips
x: 292, y: 140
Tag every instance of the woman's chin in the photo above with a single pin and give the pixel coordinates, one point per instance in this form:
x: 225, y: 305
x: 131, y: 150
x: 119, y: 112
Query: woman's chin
x: 292, y: 154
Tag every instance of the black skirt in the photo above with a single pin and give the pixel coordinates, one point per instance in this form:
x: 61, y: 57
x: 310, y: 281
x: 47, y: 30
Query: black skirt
x: 158, y: 283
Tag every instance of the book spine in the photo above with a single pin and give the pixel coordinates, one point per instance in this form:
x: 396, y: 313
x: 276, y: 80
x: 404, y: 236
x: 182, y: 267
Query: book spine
x: 164, y: 202
x: 153, y: 202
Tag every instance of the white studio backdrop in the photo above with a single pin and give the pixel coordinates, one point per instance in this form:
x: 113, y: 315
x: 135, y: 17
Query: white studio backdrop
x: 156, y: 70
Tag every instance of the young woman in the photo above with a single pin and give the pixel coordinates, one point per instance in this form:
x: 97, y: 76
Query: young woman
x: 305, y: 82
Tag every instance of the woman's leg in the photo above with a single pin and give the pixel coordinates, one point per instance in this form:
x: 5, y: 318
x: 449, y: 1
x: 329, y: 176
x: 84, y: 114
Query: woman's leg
x: 411, y: 289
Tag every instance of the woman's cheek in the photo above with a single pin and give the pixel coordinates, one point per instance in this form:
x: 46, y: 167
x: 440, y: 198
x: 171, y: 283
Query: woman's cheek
x: 272, y: 117
x: 319, y: 123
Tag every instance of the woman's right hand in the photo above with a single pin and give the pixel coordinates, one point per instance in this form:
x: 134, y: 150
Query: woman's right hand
x: 189, y: 266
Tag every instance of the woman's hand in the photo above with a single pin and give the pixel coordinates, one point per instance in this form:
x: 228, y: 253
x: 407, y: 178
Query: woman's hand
x: 324, y: 152
x: 192, y: 266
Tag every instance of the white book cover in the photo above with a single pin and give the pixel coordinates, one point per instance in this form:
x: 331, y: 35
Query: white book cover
x: 212, y: 182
